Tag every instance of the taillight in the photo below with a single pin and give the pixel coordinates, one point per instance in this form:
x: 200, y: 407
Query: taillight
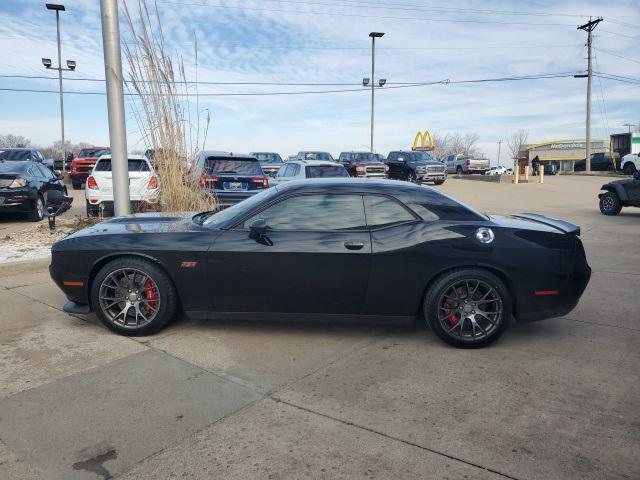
x: 204, y: 179
x: 91, y: 183
x: 468, y: 162
x: 153, y: 182
x: 263, y: 180
x: 18, y: 182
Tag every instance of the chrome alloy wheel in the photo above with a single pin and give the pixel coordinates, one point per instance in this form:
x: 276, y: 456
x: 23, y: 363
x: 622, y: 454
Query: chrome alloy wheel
x: 470, y: 310
x: 129, y: 298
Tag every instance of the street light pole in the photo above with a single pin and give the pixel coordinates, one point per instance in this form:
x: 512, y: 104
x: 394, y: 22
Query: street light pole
x: 499, y: 145
x: 115, y: 106
x: 59, y: 8
x: 373, y: 36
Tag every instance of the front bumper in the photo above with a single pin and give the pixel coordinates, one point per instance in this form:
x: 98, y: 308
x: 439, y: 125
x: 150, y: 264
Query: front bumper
x: 431, y: 176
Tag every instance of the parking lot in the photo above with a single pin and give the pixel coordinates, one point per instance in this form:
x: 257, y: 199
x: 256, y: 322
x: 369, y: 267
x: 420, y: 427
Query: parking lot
x: 212, y: 399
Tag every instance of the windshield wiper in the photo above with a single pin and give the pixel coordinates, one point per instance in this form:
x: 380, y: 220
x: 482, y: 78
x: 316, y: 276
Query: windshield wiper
x: 199, y: 218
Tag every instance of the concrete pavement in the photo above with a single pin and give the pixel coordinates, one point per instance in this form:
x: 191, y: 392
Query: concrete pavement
x: 209, y: 399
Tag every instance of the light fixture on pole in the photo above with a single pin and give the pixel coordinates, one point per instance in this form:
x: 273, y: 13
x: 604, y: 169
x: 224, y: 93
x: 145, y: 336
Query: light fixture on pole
x: 373, y: 36
x: 71, y: 66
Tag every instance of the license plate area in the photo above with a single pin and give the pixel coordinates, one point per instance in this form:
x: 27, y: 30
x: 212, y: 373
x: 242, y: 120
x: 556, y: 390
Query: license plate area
x: 234, y: 186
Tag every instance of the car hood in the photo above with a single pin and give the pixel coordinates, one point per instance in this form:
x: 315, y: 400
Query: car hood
x: 428, y: 162
x: 140, y: 223
x: 371, y: 163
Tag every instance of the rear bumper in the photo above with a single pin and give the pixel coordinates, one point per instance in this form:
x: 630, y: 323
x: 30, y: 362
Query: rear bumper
x: 17, y: 201
x: 226, y: 198
x: 108, y: 208
x: 546, y: 306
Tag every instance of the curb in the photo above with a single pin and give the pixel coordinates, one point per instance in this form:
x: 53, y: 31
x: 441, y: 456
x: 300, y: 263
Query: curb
x: 26, y: 266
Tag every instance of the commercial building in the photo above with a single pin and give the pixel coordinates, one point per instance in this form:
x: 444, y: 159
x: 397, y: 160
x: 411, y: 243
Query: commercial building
x: 562, y: 152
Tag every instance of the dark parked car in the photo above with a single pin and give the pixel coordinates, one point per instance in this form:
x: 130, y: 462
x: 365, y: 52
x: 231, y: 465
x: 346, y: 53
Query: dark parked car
x: 231, y: 177
x: 416, y: 167
x: 269, y: 161
x: 599, y: 162
x: 327, y: 249
x: 25, y: 188
x: 25, y: 154
x: 621, y: 193
x: 364, y: 164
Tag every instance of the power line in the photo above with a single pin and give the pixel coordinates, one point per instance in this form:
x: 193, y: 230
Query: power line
x: 616, y: 55
x: 618, y: 78
x: 355, y: 15
x: 311, y: 92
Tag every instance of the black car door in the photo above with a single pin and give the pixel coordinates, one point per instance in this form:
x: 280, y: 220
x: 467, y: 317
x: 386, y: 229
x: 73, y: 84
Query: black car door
x: 315, y: 258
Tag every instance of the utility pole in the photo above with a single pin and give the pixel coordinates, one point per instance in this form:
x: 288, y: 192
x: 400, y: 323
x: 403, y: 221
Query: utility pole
x: 630, y: 125
x: 71, y: 66
x: 373, y: 36
x: 115, y: 106
x: 589, y: 27
x: 499, y: 145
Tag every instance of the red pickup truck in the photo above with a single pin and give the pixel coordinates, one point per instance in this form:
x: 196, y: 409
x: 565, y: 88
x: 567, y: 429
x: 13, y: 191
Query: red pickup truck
x: 83, y: 163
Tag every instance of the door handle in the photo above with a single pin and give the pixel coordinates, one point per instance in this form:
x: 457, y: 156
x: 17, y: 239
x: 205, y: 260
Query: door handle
x: 354, y: 245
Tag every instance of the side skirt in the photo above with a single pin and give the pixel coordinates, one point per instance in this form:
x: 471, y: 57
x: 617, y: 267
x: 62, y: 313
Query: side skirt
x: 301, y: 317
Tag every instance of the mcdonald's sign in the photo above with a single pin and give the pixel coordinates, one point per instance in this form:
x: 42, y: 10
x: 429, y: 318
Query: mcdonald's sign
x: 423, y: 141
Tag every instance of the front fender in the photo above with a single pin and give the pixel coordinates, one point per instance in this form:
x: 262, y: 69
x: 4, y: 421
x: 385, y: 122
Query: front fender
x: 619, y: 190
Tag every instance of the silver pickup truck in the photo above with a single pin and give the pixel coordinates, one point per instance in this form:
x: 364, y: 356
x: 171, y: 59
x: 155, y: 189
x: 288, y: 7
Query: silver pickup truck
x: 459, y: 164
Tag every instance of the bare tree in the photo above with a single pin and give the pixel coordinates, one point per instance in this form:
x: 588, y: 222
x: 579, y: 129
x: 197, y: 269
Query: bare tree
x: 12, y: 141
x: 516, y: 141
x: 456, y: 142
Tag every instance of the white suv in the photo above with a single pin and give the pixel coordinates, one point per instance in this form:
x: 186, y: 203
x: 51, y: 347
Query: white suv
x: 143, y: 185
x: 630, y: 163
x: 300, y: 169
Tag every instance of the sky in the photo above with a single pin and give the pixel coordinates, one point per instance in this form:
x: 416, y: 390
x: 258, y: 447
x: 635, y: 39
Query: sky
x: 327, y: 41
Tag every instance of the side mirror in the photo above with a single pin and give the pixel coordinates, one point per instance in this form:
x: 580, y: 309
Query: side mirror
x: 258, y: 229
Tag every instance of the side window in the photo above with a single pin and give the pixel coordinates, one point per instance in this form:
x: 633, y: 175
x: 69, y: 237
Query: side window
x: 402, y: 157
x: 393, y: 157
x: 329, y: 212
x: 39, y: 156
x: 384, y: 211
x: 294, y: 170
x: 283, y: 170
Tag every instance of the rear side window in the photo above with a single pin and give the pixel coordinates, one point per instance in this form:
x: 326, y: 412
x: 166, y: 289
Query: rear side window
x: 93, y: 152
x: 384, y: 211
x: 135, y: 165
x: 15, y: 155
x: 213, y: 165
x: 326, y: 171
x: 315, y: 212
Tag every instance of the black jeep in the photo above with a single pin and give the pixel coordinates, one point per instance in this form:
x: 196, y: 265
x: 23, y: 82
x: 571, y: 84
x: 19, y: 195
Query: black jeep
x: 621, y: 193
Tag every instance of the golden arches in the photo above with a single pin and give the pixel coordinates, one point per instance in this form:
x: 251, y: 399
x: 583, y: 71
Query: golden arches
x: 423, y: 141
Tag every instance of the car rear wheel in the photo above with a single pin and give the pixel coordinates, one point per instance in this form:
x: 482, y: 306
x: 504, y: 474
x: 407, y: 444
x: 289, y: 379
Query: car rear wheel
x: 629, y: 168
x: 133, y: 297
x: 610, y: 204
x: 458, y: 170
x: 468, y: 308
x: 91, y: 212
x: 412, y: 176
x: 76, y: 185
x: 38, y: 210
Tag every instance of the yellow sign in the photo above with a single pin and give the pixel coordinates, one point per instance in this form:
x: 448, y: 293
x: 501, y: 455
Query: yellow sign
x: 423, y: 141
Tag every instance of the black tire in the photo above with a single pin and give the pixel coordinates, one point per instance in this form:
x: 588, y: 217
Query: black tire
x: 167, y: 297
x: 476, y: 283
x: 411, y: 176
x: 629, y: 168
x: 610, y: 204
x: 76, y: 185
x: 38, y: 210
x: 438, y: 182
x: 91, y: 212
x: 65, y: 192
x: 458, y: 170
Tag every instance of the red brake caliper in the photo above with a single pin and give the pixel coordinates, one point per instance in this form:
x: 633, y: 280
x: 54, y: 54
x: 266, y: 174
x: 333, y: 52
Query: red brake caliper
x: 151, y: 294
x: 452, y: 317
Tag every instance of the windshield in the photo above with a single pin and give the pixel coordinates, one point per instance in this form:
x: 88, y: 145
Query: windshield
x: 424, y: 157
x: 239, y: 209
x: 15, y: 155
x: 238, y: 166
x: 326, y: 171
x: 135, y: 165
x: 364, y: 157
x: 318, y: 156
x: 268, y: 158
x: 93, y: 152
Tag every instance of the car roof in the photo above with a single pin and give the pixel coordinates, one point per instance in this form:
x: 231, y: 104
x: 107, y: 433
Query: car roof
x: 315, y: 163
x: 129, y: 157
x: 15, y: 166
x: 95, y: 148
x: 352, y: 184
x: 219, y: 153
x: 13, y: 149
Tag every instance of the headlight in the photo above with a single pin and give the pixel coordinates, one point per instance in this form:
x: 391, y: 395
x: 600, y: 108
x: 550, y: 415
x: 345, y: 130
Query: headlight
x: 18, y: 182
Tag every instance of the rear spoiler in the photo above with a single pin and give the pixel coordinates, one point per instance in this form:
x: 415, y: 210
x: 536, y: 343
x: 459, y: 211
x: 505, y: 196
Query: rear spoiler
x: 561, y: 225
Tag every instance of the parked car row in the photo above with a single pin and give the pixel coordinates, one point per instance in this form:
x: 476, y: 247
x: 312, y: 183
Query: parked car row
x: 602, y: 161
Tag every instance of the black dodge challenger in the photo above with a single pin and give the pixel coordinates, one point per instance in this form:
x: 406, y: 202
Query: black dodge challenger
x: 328, y: 249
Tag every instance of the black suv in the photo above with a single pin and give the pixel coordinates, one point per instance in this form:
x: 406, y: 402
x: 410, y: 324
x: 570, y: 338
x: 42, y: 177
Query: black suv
x: 599, y: 162
x: 415, y: 166
x: 231, y: 177
x: 621, y: 193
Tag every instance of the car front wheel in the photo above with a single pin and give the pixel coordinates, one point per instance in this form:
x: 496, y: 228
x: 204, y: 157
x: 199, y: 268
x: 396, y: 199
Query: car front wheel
x: 133, y: 296
x: 438, y: 182
x: 610, y: 204
x: 468, y: 308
